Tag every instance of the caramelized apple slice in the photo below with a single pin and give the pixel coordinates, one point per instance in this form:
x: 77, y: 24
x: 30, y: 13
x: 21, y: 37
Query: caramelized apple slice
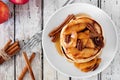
x: 82, y: 20
x: 87, y: 69
x: 82, y: 35
x: 93, y: 67
x: 90, y: 44
x: 85, y: 53
x: 87, y: 32
x: 77, y: 28
x: 86, y: 64
x: 84, y: 41
x: 97, y: 64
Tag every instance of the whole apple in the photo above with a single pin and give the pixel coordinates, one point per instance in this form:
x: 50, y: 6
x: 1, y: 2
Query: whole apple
x: 19, y: 1
x: 4, y: 12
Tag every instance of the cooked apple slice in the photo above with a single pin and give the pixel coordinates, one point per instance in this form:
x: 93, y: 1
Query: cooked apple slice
x: 87, y: 32
x: 87, y: 69
x: 93, y: 67
x: 88, y: 52
x: 90, y: 44
x: 77, y: 28
x: 84, y: 41
x: 86, y: 64
x: 83, y: 35
x: 97, y: 64
x: 85, y: 53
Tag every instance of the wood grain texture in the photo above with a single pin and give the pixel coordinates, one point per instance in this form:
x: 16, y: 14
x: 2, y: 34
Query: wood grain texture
x: 96, y: 3
x: 30, y: 19
x: 28, y: 22
x: 6, y: 33
x: 93, y: 2
x: 50, y: 6
x: 112, y: 8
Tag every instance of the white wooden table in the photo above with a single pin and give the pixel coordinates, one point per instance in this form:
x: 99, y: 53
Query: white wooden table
x: 30, y: 18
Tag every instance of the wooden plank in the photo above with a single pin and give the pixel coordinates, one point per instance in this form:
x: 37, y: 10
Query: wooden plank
x: 50, y: 6
x: 90, y: 78
x: 6, y: 33
x: 93, y: 2
x: 112, y: 8
x: 28, y: 22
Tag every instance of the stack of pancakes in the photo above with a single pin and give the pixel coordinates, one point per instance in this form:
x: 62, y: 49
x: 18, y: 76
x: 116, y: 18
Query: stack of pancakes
x: 81, y: 41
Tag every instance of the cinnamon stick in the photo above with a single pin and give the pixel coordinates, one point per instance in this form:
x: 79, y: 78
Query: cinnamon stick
x: 25, y: 68
x: 7, y: 44
x: 12, y: 46
x: 12, y: 51
x: 5, y: 48
x: 28, y: 65
x: 59, y: 28
x: 55, y: 38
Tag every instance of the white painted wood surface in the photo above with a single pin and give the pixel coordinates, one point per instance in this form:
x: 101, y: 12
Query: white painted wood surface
x: 6, y: 32
x: 28, y: 22
x: 29, y: 19
x: 112, y: 7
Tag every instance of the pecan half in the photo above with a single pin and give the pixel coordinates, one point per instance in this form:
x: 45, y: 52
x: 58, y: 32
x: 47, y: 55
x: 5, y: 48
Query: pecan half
x: 98, y: 41
x: 92, y: 35
x: 79, y: 44
x: 91, y: 28
x: 67, y: 38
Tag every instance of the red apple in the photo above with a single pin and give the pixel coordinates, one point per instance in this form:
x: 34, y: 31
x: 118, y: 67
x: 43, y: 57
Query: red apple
x: 4, y: 12
x: 19, y: 1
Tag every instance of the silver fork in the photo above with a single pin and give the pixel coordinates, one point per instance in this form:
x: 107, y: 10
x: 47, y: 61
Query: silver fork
x: 36, y: 38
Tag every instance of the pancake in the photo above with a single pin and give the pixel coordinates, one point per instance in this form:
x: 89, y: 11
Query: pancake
x: 81, y: 40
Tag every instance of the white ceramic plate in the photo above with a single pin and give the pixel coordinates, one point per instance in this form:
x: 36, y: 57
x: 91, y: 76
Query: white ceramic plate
x: 109, y: 32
